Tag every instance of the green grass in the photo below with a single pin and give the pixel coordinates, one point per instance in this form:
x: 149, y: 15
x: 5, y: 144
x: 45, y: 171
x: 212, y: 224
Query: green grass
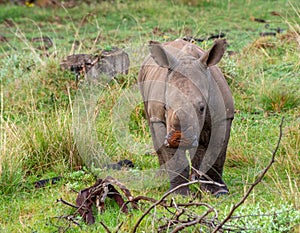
x: 47, y: 129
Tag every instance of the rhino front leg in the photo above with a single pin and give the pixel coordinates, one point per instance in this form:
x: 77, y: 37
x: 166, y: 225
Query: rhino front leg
x: 215, y: 173
x: 178, y: 170
x: 172, y: 160
x: 158, y: 132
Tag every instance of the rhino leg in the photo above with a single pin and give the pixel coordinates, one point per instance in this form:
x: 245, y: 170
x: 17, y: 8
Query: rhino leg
x: 216, y: 171
x: 213, y: 174
x: 198, y: 153
x: 178, y: 170
x: 158, y: 132
x: 171, y: 160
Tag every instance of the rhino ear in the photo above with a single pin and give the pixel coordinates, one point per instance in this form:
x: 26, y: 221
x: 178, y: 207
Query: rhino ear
x: 162, y: 57
x: 215, y: 54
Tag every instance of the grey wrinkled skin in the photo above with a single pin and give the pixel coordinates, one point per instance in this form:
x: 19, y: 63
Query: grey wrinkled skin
x: 189, y: 106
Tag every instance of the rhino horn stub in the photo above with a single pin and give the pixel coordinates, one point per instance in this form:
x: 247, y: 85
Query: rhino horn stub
x: 215, y: 54
x: 162, y: 57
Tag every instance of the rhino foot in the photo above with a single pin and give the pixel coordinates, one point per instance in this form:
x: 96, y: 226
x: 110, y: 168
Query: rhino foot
x: 215, y: 189
x: 220, y: 193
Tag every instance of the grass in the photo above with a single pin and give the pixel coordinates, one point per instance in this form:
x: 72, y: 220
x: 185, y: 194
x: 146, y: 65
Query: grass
x: 48, y: 129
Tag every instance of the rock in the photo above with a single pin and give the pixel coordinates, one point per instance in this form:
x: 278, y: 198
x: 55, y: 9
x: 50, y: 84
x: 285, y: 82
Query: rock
x: 98, y: 68
x: 78, y: 62
x: 111, y: 63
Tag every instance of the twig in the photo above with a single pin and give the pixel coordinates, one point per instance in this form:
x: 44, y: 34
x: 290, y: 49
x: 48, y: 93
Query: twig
x: 118, y: 228
x: 74, y: 191
x: 144, y: 198
x: 67, y: 203
x: 69, y: 218
x: 257, y: 181
x: 170, y: 222
x: 164, y: 196
x: 180, y: 210
x: 208, y: 181
x: 159, y: 201
x: 191, y: 223
x: 105, y: 227
x: 196, y: 204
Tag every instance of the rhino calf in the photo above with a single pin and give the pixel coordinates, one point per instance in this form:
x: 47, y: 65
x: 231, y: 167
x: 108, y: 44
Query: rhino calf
x: 189, y: 107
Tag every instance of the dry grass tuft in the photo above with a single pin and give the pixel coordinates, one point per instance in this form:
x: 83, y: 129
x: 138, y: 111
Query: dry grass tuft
x: 265, y: 42
x: 278, y: 97
x: 12, y: 156
x: 291, y: 148
x: 290, y: 37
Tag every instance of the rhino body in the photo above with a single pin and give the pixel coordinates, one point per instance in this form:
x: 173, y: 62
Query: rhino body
x: 189, y: 107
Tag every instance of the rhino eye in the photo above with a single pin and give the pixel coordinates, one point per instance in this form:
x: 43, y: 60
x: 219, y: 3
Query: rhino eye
x: 202, y: 108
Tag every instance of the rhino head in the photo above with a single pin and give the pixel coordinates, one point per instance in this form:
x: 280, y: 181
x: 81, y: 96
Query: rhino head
x: 187, y: 91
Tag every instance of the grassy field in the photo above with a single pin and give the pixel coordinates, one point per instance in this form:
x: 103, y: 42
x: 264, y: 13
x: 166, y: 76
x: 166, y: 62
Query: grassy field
x: 48, y: 130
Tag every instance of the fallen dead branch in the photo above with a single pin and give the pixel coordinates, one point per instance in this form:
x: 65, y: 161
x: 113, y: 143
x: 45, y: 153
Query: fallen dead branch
x: 96, y: 195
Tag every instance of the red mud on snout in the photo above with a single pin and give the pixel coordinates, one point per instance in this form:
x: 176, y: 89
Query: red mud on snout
x: 176, y: 138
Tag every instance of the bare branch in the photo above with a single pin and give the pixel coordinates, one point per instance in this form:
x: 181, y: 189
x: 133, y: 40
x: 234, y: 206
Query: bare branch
x: 70, y: 218
x: 208, y: 181
x: 118, y: 228
x: 67, y: 203
x: 143, y: 198
x: 105, y: 227
x: 257, y: 181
